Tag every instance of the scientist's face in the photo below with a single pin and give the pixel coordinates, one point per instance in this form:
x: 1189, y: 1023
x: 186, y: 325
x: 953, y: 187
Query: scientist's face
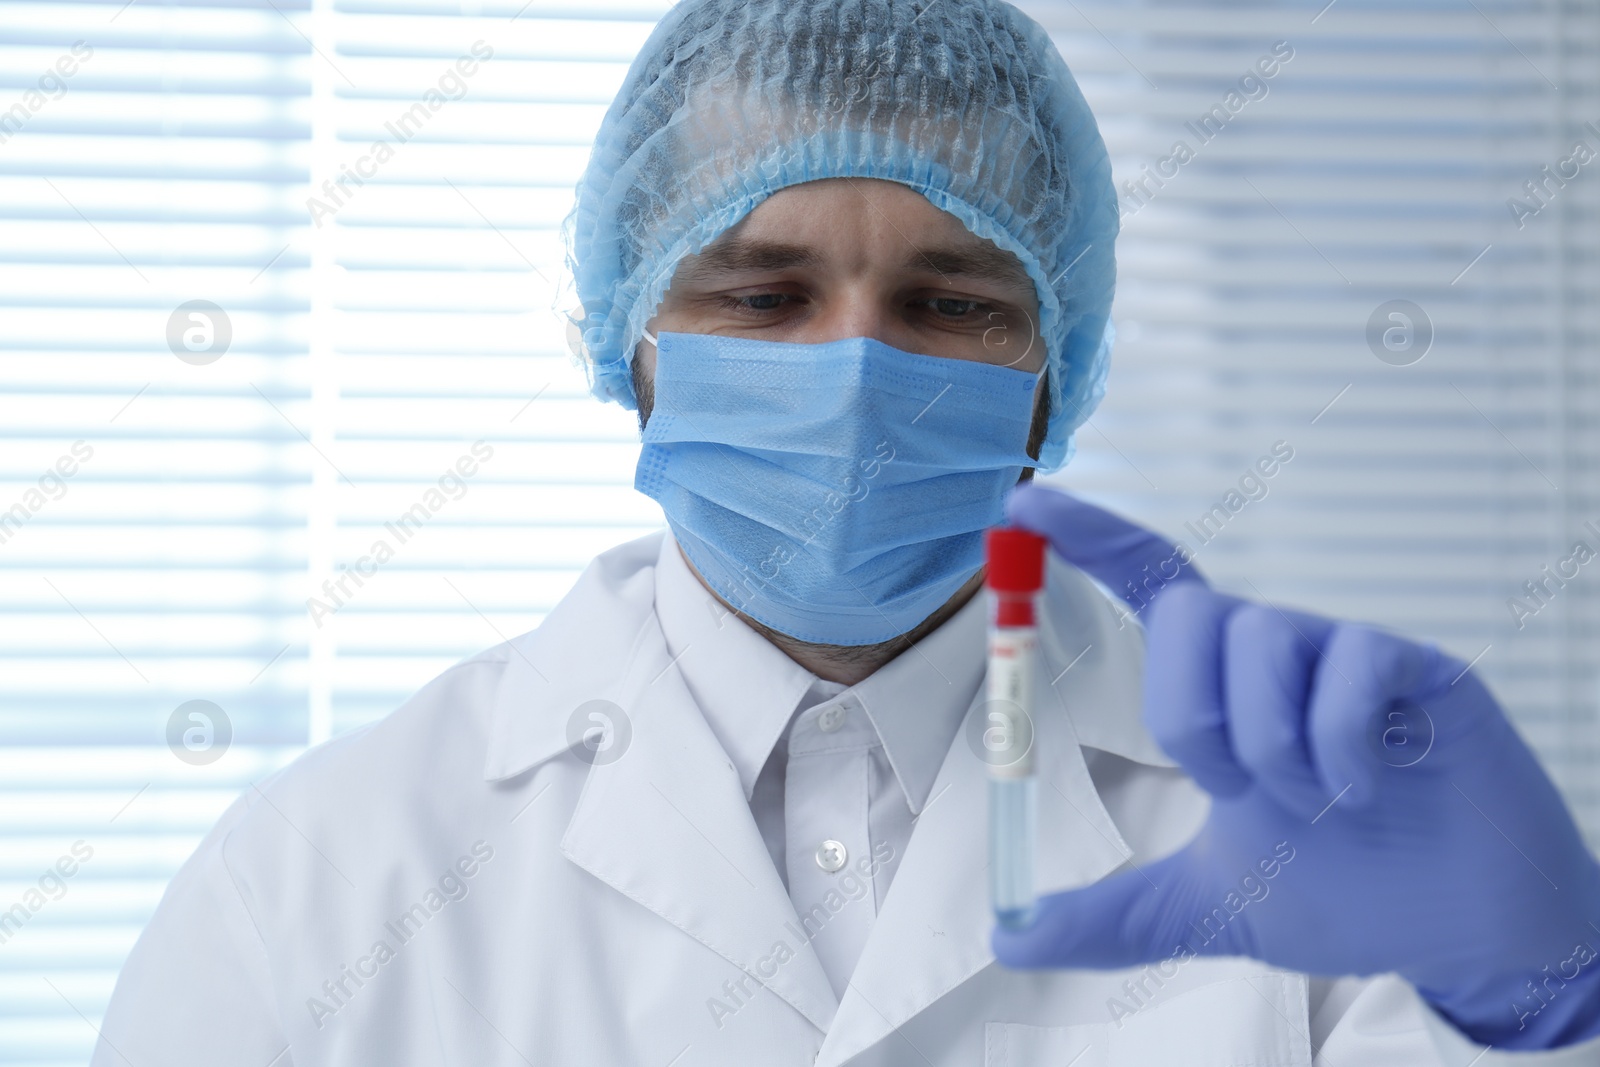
x: 856, y: 257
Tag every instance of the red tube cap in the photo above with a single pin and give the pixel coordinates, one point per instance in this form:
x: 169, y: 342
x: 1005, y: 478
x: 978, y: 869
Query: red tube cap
x: 1016, y: 560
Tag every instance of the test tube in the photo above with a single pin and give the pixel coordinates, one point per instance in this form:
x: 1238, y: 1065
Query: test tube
x: 1015, y: 576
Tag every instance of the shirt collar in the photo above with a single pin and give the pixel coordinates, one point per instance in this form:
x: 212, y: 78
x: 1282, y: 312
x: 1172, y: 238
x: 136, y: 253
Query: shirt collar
x: 748, y: 689
x: 1093, y: 653
x: 918, y: 699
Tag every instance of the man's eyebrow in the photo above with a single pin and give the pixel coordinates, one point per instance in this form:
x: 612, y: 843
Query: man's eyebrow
x: 985, y: 262
x: 745, y: 255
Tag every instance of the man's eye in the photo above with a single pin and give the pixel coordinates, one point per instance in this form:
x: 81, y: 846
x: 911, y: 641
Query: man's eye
x: 756, y: 302
x: 952, y: 308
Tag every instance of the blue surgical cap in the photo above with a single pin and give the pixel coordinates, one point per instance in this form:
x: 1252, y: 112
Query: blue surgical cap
x: 966, y: 101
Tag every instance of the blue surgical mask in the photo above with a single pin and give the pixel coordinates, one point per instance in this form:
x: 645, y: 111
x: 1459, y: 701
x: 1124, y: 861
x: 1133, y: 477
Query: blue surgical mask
x: 835, y: 492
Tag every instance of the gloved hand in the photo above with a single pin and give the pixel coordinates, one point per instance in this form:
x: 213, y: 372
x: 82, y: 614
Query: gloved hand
x: 1421, y: 835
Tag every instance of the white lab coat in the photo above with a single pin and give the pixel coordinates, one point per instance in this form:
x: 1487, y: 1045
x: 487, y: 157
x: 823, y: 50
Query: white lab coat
x: 455, y: 885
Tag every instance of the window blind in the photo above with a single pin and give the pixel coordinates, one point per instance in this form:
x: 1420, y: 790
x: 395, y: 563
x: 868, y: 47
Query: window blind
x: 1360, y: 236
x: 369, y: 456
x: 282, y: 285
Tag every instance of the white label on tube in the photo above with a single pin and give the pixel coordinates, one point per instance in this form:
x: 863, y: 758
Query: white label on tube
x: 1008, y: 713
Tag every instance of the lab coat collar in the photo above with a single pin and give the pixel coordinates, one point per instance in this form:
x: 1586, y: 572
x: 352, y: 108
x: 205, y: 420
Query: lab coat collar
x: 668, y: 825
x: 572, y: 658
x: 748, y: 689
x: 1093, y: 653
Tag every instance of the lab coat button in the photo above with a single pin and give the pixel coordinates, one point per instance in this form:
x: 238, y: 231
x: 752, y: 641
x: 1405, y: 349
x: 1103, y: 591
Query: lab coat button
x: 831, y: 719
x: 831, y: 856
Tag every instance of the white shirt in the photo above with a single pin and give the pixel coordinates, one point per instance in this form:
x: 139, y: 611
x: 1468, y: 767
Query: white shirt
x: 465, y: 882
x: 831, y: 773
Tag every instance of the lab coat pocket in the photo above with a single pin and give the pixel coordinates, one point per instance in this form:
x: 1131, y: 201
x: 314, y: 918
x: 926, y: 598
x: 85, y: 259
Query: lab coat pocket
x: 1255, y: 1021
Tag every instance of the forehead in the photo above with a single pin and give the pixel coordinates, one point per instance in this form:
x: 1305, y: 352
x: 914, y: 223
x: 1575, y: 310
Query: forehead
x: 860, y: 223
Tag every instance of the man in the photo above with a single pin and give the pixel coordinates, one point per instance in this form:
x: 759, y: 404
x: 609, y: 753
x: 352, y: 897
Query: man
x: 852, y: 263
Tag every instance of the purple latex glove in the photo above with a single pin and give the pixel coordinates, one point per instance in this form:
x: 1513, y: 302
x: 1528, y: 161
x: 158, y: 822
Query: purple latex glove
x: 1372, y: 809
